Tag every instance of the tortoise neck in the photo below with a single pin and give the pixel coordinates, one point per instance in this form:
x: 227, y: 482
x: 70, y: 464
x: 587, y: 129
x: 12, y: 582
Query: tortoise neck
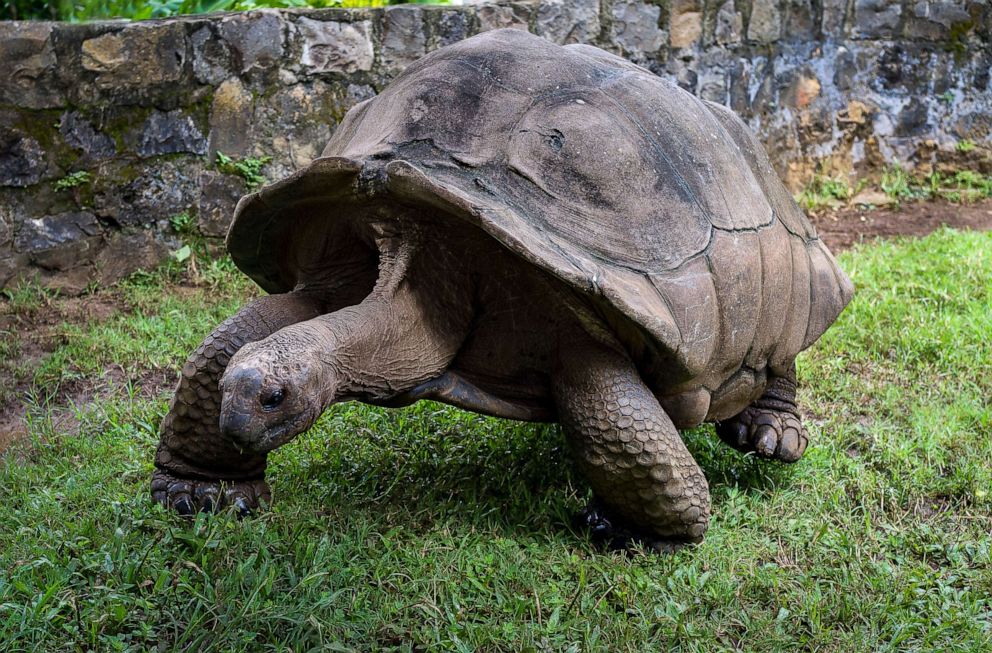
x: 407, y: 331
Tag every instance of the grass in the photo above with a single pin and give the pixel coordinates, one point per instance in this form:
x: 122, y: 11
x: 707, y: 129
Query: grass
x: 429, y: 528
x: 900, y: 186
x: 25, y: 300
x: 961, y: 186
x: 824, y: 192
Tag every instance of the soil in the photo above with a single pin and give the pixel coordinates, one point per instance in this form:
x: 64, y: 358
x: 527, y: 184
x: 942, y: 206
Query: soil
x: 39, y: 331
x: 40, y: 327
x: 846, y: 227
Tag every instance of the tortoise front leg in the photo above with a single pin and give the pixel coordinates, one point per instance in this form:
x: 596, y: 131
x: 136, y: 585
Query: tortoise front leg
x: 195, y: 467
x: 645, y: 481
x: 770, y: 427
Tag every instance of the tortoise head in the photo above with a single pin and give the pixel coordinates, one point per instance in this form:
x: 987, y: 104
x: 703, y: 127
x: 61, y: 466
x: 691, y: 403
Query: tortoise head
x: 272, y: 390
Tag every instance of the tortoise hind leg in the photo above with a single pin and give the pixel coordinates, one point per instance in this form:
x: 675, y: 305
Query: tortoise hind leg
x: 645, y: 481
x: 771, y: 426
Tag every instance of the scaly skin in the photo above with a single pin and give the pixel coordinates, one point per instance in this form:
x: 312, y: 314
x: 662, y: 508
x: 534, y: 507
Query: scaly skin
x: 646, y: 483
x: 770, y: 427
x: 195, y: 467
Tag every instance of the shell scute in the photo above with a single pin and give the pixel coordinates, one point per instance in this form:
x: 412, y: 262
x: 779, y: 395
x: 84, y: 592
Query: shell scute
x: 734, y: 259
x: 776, y: 293
x: 692, y: 297
x: 603, y: 188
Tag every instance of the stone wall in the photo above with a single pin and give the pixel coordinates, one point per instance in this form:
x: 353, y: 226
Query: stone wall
x: 832, y: 86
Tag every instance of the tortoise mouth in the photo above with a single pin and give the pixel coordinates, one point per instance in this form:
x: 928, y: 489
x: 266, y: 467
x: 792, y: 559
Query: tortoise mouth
x: 281, y: 434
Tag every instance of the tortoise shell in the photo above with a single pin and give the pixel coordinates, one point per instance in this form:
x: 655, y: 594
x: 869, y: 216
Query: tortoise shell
x: 660, y: 207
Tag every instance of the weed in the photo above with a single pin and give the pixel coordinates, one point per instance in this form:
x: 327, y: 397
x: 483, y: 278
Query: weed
x: 72, y: 180
x: 218, y: 272
x: 965, y: 145
x: 965, y: 185
x: 896, y: 184
x: 248, y: 169
x: 824, y: 192
x: 185, y: 225
x: 28, y: 296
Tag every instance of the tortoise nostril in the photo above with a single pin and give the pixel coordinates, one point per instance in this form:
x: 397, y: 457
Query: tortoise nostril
x: 271, y: 399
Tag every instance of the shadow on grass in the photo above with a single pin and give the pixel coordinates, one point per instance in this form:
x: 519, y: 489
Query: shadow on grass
x: 431, y: 463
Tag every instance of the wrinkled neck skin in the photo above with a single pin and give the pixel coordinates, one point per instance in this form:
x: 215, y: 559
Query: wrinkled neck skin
x: 401, y: 335
x: 405, y: 332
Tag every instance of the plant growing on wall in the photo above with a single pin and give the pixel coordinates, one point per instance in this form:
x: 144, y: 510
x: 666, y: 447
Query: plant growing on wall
x: 249, y: 168
x: 72, y: 180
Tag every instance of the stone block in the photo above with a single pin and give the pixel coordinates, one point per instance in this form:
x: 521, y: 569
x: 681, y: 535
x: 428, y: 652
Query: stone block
x: 568, y: 21
x: 403, y: 37
x: 635, y: 28
x: 219, y: 194
x: 128, y: 252
x: 729, y: 24
x: 899, y: 67
x: 765, y: 25
x: 739, y: 73
x: 255, y: 39
x: 845, y: 69
x: 876, y: 19
x: 801, y: 19
x: 69, y: 260
x: 53, y: 231
x: 802, y: 90
x: 452, y: 27
x: 22, y: 159
x: 913, y: 118
x: 684, y: 72
x: 934, y: 20
x: 157, y: 194
x: 13, y: 269
x: 28, y: 73
x: 6, y: 226
x: 170, y: 133
x: 138, y: 56
x: 211, y: 57
x: 685, y: 23
x: 500, y: 16
x: 712, y: 85
x: 231, y: 119
x: 335, y: 47
x: 299, y: 122
x: 78, y: 133
x: 834, y: 16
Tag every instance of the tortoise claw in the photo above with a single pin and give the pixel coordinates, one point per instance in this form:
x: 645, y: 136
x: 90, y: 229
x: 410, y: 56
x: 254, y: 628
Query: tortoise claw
x: 188, y: 496
x: 242, y: 507
x: 611, y: 534
x: 183, y: 506
x: 774, y: 434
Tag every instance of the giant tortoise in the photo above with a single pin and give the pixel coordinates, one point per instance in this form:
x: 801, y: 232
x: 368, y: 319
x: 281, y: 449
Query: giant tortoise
x: 529, y: 231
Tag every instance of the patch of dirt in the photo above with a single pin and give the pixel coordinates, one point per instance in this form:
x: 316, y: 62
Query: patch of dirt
x: 38, y: 332
x: 846, y: 227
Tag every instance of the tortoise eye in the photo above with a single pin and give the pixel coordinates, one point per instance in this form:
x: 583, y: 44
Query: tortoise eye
x: 271, y: 400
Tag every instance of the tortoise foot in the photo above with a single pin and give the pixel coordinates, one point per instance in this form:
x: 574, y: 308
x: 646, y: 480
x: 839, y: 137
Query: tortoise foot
x: 614, y: 534
x: 187, y: 496
x: 769, y: 433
